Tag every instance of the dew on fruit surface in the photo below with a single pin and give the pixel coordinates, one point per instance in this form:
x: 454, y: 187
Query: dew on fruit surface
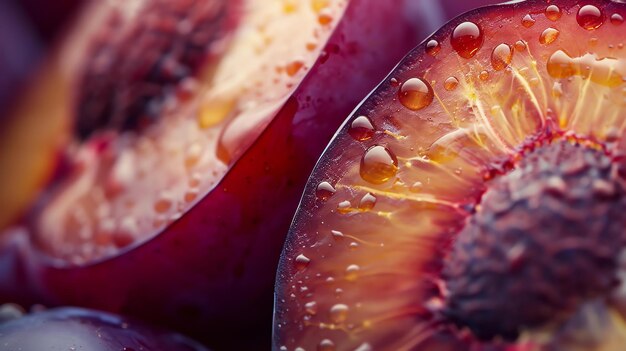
x: 352, y: 272
x: 617, y: 19
x: 606, y: 71
x: 433, y: 47
x: 548, y: 36
x: 302, y: 262
x: 344, y: 207
x: 361, y: 129
x: 324, y: 190
x: 553, y: 12
x: 326, y: 345
x: 311, y: 308
x: 339, y: 313
x: 394, y: 82
x: 378, y: 165
x: 483, y: 75
x: 416, y: 94
x: 520, y: 45
x: 336, y: 234
x: 368, y: 201
x: 589, y: 17
x: 528, y: 21
x: 501, y: 56
x: 466, y: 39
x: 451, y: 83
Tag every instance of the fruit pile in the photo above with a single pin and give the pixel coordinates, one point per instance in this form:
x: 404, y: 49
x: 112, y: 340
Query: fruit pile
x: 475, y: 200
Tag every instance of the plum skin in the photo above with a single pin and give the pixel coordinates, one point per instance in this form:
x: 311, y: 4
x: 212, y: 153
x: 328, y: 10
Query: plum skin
x: 76, y: 328
x: 217, y: 263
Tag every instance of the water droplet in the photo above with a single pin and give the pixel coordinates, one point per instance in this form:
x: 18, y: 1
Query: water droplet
x: 337, y: 234
x: 549, y: 36
x: 416, y: 94
x: 364, y: 347
x: 467, y: 38
x: 528, y: 21
x: 617, y: 19
x: 378, y: 165
x: 553, y: 12
x: 589, y: 17
x: 326, y: 345
x: 520, y: 45
x: 483, y: 75
x: 361, y: 129
x: 394, y: 82
x: 557, y: 89
x: 606, y: 71
x: 368, y: 201
x: 417, y: 187
x: 433, y: 47
x: 501, y: 56
x: 324, y: 190
x: 339, y: 313
x: 451, y: 83
x: 352, y: 272
x: 344, y: 206
x: 302, y: 262
x: 311, y: 308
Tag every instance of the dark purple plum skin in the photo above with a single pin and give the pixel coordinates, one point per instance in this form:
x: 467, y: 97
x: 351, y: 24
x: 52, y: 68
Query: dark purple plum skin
x: 213, y: 270
x: 81, y: 329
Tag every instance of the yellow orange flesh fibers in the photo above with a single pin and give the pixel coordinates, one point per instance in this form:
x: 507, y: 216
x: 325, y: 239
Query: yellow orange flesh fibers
x: 420, y: 153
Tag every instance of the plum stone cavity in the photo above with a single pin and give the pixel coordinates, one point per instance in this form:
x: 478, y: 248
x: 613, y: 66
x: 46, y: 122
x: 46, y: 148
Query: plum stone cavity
x: 546, y: 237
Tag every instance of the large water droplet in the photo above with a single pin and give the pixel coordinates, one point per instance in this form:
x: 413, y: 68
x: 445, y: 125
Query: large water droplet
x: 520, y: 45
x: 378, y: 165
x: 361, y: 129
x: 368, y: 201
x: 467, y: 38
x: 617, y: 19
x: 433, y: 47
x: 451, y: 83
x: 339, y: 313
x: 548, y: 36
x: 553, y: 12
x: 501, y: 56
x: 311, y: 308
x: 416, y: 94
x: 589, y: 17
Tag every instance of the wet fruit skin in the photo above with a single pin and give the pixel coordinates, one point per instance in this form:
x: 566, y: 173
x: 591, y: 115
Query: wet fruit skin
x: 409, y: 272
x: 212, y: 269
x: 82, y: 329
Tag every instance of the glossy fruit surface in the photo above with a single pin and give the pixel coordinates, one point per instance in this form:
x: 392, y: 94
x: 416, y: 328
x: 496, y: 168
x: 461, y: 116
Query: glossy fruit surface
x: 206, y: 260
x: 82, y: 329
x: 475, y: 200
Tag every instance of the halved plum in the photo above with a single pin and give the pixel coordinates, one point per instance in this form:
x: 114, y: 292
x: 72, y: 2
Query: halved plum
x: 187, y: 131
x: 82, y: 329
x: 476, y: 199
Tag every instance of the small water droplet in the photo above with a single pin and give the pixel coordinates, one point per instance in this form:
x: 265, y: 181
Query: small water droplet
x: 326, y: 345
x: 337, y: 234
x: 617, y: 19
x: 433, y: 47
x: 501, y: 56
x: 590, y: 17
x: 416, y: 94
x: 339, y: 313
x: 417, y: 187
x: 394, y: 82
x: 352, y: 272
x: 483, y: 75
x: 520, y: 45
x: 344, y: 206
x: 378, y: 165
x: 528, y: 21
x: 467, y: 38
x: 368, y: 201
x: 311, y: 308
x: 451, y: 83
x: 549, y: 36
x: 553, y: 12
x: 302, y: 262
x: 324, y: 190
x: 361, y: 129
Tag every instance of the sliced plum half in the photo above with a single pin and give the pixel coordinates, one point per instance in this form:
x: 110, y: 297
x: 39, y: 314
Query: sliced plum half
x: 476, y: 199
x: 182, y: 134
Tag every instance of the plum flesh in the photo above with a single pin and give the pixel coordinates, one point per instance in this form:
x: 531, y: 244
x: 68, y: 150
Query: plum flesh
x: 368, y: 263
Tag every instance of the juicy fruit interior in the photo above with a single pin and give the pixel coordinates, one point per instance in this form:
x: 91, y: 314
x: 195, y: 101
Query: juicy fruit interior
x: 383, y: 240
x: 168, y: 95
